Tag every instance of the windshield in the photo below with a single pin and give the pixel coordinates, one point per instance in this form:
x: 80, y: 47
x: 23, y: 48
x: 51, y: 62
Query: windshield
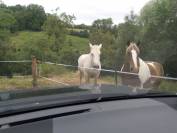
x: 72, y: 47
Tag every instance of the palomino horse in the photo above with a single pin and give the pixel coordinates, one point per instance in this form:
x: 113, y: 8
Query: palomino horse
x: 144, y: 69
x: 91, y: 61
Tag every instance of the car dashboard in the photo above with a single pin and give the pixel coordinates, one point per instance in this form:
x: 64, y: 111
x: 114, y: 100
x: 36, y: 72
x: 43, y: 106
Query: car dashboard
x: 141, y: 115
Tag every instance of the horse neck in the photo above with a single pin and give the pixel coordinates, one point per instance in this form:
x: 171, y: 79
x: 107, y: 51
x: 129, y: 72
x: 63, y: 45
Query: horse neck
x: 127, y: 64
x: 91, y: 60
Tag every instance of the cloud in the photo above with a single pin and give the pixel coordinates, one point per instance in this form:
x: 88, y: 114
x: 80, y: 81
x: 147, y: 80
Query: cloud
x: 86, y: 11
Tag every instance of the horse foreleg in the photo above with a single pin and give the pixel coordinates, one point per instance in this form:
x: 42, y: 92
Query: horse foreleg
x: 87, y: 79
x: 95, y: 81
x: 141, y: 86
x: 80, y: 75
x: 134, y: 90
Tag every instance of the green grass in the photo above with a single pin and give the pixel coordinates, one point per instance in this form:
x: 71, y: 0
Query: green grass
x: 48, y: 70
x: 21, y: 38
x: 69, y: 77
x: 78, y: 43
x: 25, y: 82
x: 170, y: 86
x: 81, y: 44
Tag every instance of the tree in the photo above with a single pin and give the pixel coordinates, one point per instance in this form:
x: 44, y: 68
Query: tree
x: 35, y: 17
x: 6, y: 22
x: 69, y: 55
x: 56, y: 28
x: 6, y: 19
x: 108, y: 49
x: 127, y: 31
x: 19, y: 12
x: 31, y: 17
x: 103, y: 31
x: 158, y: 32
x: 102, y: 24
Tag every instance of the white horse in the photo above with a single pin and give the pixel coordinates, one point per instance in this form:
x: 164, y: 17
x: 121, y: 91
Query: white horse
x: 89, y: 65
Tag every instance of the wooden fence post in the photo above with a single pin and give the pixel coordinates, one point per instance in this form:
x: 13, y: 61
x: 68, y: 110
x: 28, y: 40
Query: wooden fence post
x: 34, y: 71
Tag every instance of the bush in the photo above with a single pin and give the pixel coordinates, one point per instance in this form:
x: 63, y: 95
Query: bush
x: 170, y: 66
x: 69, y: 55
x: 81, y: 33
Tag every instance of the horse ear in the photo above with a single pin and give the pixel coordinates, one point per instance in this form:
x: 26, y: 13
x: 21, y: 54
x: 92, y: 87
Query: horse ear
x: 100, y: 46
x: 128, y: 43
x: 90, y: 45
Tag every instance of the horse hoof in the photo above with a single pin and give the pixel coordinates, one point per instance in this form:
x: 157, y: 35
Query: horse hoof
x: 134, y: 90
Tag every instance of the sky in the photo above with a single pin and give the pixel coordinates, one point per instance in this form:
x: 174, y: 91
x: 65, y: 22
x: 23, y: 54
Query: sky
x: 86, y: 11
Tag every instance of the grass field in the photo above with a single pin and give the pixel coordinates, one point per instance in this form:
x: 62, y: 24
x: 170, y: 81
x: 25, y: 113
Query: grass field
x: 170, y: 86
x: 81, y: 44
x: 22, y: 38
x: 25, y: 82
x: 70, y: 77
x: 17, y: 83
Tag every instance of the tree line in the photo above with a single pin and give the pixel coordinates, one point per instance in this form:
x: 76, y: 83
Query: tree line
x: 154, y: 27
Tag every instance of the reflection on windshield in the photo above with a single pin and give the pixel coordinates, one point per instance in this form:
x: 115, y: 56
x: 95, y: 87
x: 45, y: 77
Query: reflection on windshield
x: 48, y: 51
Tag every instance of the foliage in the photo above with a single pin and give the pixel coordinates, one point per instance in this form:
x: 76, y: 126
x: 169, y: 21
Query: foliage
x: 102, y: 33
x: 24, y: 45
x: 129, y: 30
x: 29, y: 17
x: 82, y: 26
x: 6, y: 19
x: 103, y: 24
x: 154, y: 27
x: 80, y: 33
x: 159, y: 32
x: 168, y: 86
x: 108, y: 48
x: 77, y: 43
x: 56, y: 28
x: 35, y: 17
x: 28, y: 44
x: 48, y: 70
x: 69, y: 55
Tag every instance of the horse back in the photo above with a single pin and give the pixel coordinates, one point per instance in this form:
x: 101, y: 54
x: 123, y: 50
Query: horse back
x: 155, y: 68
x: 83, y: 60
x: 133, y: 80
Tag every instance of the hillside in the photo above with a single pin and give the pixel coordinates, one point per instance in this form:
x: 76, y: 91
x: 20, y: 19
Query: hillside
x: 22, y: 38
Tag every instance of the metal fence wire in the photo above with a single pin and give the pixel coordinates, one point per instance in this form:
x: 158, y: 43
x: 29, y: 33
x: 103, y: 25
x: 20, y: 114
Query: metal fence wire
x: 115, y: 72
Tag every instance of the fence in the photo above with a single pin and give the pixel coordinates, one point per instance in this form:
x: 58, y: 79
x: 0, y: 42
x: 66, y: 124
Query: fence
x: 35, y: 71
x: 33, y: 68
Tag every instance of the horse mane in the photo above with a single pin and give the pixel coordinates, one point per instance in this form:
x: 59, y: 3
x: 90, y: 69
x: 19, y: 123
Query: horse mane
x: 133, y: 46
x: 126, y: 58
